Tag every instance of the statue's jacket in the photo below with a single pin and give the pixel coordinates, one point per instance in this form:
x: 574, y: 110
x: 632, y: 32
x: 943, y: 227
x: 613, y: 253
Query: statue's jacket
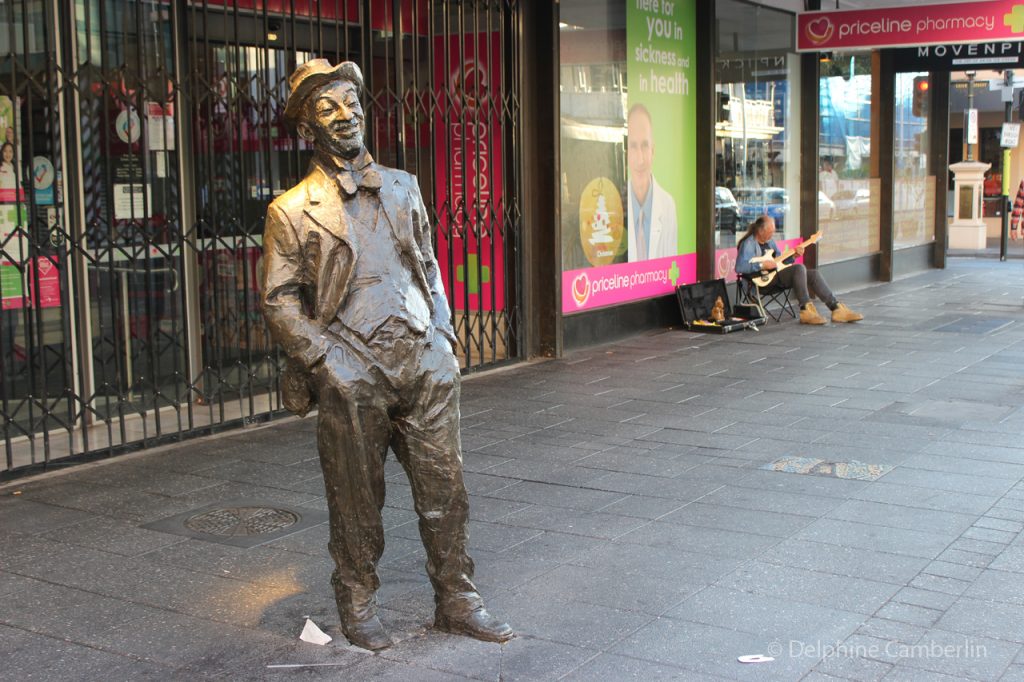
x: 309, y: 258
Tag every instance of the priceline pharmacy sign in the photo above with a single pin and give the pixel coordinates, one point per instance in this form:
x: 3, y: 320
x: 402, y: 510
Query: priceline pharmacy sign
x: 912, y: 24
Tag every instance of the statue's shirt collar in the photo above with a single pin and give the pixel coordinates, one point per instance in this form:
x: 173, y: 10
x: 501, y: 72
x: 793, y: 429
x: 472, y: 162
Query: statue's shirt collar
x: 332, y: 165
x: 352, y: 174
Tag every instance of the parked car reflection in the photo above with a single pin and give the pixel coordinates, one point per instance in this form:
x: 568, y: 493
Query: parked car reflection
x: 756, y: 201
x: 849, y: 201
x: 727, y: 211
x: 826, y: 207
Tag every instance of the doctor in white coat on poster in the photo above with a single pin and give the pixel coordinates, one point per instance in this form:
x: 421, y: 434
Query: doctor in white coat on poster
x: 652, y: 210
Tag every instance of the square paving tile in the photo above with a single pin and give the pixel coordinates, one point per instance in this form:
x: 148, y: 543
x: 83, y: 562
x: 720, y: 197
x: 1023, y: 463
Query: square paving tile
x: 592, y: 524
x: 175, y: 639
x: 712, y: 541
x: 964, y: 657
x: 784, y: 619
x: 850, y: 561
x: 643, y: 593
x: 23, y: 514
x: 736, y: 519
x: 878, y: 538
x: 80, y: 614
x: 665, y: 562
x: 112, y: 535
x: 614, y: 667
x: 910, y: 518
x: 856, y: 595
x: 711, y: 650
x: 978, y: 618
x: 28, y: 655
x: 578, y: 624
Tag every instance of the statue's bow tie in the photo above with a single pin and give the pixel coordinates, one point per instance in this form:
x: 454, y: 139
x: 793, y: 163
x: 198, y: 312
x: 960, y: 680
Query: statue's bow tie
x: 352, y: 180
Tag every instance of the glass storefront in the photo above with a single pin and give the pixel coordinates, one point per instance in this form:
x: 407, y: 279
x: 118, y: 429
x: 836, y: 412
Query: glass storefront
x: 913, y: 200
x: 757, y: 131
x: 848, y: 173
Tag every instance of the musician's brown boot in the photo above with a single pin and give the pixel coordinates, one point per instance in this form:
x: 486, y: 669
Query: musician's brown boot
x: 809, y: 315
x: 844, y: 314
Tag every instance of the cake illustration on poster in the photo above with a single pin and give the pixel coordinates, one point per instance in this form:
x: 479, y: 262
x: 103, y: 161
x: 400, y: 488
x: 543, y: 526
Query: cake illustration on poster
x: 601, y: 222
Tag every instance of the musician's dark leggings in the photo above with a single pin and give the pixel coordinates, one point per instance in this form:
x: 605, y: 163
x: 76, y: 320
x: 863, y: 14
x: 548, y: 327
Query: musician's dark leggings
x: 804, y: 283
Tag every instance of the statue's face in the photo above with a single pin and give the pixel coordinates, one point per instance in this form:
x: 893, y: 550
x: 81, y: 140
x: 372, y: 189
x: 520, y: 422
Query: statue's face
x: 333, y: 120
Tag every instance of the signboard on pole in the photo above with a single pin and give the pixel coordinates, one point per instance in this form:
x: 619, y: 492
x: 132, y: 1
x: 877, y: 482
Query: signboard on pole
x: 1009, y: 135
x: 971, y: 125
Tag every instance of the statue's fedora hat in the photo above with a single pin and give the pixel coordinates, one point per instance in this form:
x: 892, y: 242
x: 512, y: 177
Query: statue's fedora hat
x: 310, y: 77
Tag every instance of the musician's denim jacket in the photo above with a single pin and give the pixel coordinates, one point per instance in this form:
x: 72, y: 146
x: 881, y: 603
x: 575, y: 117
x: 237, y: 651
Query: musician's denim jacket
x: 749, y: 248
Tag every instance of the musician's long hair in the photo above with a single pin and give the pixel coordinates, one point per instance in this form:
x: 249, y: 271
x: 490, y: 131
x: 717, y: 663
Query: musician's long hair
x: 752, y: 229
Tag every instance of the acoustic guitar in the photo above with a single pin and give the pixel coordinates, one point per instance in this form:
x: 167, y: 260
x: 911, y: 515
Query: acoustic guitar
x: 768, y: 276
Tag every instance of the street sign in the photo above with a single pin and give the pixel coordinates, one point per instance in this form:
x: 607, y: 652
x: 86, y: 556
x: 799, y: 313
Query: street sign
x: 971, y: 121
x: 1010, y: 135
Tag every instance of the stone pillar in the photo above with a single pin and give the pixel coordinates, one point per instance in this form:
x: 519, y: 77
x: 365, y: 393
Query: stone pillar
x: 968, y: 228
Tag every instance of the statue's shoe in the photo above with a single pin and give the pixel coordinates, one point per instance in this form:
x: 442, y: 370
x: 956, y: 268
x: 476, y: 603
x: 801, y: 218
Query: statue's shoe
x: 367, y: 633
x: 477, y: 623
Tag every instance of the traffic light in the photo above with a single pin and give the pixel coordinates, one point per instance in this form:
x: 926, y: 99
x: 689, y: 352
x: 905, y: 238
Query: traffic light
x: 921, y: 98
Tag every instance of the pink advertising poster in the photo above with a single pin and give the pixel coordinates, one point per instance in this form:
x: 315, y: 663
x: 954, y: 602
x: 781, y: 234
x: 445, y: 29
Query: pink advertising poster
x: 46, y: 280
x: 39, y: 281
x: 468, y: 174
x: 589, y: 288
x: 910, y: 25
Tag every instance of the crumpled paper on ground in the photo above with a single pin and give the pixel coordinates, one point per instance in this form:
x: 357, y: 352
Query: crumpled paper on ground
x: 314, y: 635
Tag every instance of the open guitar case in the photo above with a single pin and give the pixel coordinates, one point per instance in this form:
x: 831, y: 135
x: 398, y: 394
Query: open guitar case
x: 697, y: 300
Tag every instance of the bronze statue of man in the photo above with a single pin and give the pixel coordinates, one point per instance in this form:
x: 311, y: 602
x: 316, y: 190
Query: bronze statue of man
x: 352, y: 294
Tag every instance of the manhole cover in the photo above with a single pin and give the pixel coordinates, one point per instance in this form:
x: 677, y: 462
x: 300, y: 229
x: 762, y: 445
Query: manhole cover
x: 241, y: 521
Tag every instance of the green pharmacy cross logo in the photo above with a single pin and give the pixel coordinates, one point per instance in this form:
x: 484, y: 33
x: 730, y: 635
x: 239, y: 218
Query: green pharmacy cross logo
x: 1015, y: 19
x: 673, y: 273
x: 476, y: 274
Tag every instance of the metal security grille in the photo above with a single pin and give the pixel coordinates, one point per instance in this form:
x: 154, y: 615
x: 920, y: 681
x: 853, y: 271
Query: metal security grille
x: 130, y: 312
x: 38, y: 385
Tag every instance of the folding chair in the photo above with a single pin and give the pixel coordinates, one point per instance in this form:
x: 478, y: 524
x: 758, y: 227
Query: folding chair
x: 751, y: 294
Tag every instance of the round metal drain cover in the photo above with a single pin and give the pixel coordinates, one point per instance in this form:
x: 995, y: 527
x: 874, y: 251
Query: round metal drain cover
x: 242, y: 521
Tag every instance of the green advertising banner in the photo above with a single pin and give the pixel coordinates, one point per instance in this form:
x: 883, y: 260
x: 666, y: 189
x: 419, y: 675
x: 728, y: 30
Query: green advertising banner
x: 661, y: 125
x: 631, y: 236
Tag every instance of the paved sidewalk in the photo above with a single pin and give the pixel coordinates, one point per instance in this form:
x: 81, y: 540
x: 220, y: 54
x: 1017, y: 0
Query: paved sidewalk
x: 622, y: 519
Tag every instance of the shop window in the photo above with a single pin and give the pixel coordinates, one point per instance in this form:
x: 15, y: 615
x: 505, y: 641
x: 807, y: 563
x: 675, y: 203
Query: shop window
x: 848, y: 182
x: 757, y: 170
x: 913, y: 200
x: 990, y: 152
